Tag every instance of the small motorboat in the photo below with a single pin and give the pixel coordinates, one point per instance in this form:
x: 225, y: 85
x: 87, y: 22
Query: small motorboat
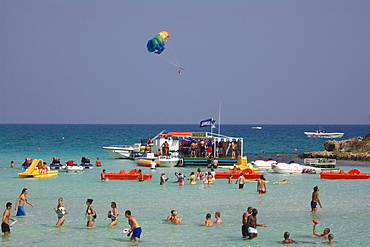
x: 162, y: 161
x: 289, y: 168
x: 247, y: 173
x: 55, y: 164
x: 27, y: 162
x: 352, y: 174
x: 35, y: 170
x: 133, y: 175
x: 324, y: 134
x: 263, y: 165
x: 85, y: 163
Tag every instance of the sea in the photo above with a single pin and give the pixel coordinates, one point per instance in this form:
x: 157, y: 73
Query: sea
x: 346, y: 203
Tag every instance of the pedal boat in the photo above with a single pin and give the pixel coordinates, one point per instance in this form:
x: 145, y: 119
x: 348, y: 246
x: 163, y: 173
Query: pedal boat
x: 352, y: 174
x: 132, y: 175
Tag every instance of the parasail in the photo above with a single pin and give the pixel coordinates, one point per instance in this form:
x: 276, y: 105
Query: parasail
x: 156, y: 44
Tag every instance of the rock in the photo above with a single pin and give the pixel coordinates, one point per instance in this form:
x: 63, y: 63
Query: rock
x: 351, y: 149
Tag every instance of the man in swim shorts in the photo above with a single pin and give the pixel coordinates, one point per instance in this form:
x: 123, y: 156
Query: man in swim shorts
x: 135, y: 227
x: 244, y: 221
x: 5, y: 225
x: 241, y: 181
x: 252, y: 224
x: 315, y: 199
x: 19, y: 205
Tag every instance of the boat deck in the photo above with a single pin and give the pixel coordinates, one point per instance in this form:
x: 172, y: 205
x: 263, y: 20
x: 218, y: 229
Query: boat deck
x: 320, y: 162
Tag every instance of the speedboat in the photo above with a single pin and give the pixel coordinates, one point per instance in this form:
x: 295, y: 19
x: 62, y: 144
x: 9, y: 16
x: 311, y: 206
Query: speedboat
x: 133, y: 175
x: 324, y: 134
x: 35, y: 171
x: 352, y: 174
x: 289, y: 168
x: 55, y: 164
x: 263, y: 165
x: 247, y: 173
x: 163, y: 161
x: 122, y: 151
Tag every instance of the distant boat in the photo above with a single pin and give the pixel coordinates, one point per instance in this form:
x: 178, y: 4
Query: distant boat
x: 324, y: 134
x: 257, y: 128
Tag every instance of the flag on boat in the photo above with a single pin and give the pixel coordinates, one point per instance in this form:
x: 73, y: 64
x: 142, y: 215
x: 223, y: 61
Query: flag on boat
x: 207, y: 122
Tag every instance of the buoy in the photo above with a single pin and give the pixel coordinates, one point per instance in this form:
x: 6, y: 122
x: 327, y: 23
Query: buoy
x: 62, y: 138
x: 295, y: 150
x: 38, y: 148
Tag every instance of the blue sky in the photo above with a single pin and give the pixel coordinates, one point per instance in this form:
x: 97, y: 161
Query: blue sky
x: 265, y: 62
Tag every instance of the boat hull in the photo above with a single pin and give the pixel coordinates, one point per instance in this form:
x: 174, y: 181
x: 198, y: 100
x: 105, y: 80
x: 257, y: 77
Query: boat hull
x: 324, y: 135
x: 352, y: 174
x: 119, y: 152
x: 132, y: 175
x: 247, y: 173
x: 292, y: 168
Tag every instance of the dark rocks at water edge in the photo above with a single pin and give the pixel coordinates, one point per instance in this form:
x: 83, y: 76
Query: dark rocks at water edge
x: 357, y: 149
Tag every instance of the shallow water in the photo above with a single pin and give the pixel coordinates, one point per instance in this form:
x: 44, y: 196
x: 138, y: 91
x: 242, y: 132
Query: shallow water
x: 346, y: 208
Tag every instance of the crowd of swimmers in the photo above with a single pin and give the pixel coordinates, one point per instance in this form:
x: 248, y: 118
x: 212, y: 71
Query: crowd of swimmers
x: 248, y: 229
x: 61, y: 210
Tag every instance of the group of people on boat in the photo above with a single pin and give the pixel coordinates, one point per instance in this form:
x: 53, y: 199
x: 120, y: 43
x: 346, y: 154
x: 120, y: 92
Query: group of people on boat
x: 208, y: 148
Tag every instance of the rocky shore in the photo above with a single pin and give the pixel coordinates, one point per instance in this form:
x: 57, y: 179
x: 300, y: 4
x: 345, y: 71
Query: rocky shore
x: 357, y: 149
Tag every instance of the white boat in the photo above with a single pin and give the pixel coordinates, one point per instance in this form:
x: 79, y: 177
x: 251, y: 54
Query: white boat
x: 263, y: 165
x: 324, y: 134
x: 73, y: 168
x: 257, y: 128
x: 163, y: 161
x: 288, y: 168
x: 122, y: 151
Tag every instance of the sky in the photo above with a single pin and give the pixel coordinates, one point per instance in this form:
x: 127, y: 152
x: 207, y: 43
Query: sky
x: 254, y: 62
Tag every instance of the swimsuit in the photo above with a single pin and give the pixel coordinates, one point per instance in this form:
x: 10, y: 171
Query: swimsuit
x: 5, y: 227
x: 244, y: 230
x: 252, y: 230
x: 241, y: 186
x: 137, y: 232
x: 88, y: 216
x: 20, y: 211
x: 262, y: 191
x: 313, y: 204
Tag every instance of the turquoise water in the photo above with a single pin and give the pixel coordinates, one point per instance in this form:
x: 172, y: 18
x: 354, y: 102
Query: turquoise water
x: 346, y: 208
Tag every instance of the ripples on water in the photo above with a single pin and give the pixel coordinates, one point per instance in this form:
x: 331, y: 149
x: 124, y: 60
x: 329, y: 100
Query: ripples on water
x: 283, y: 208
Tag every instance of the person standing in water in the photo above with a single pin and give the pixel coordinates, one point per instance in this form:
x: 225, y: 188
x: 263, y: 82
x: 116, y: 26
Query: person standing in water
x: 135, y: 227
x: 241, y: 181
x: 19, y: 205
x: 208, y: 221
x: 261, y: 185
x: 252, y: 224
x: 113, y: 215
x: 5, y: 225
x: 244, y: 221
x: 61, y: 210
x: 90, y: 213
x: 315, y: 199
x: 98, y: 162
